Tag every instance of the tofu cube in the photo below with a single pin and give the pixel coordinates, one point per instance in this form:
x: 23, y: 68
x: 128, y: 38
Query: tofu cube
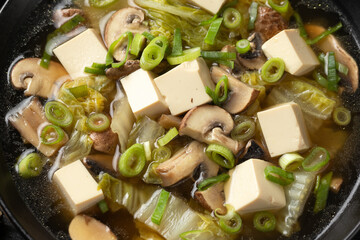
x: 184, y: 86
x: 80, y: 52
x: 288, y: 45
x: 249, y: 191
x: 284, y: 129
x: 143, y: 95
x: 212, y: 6
x: 78, y: 186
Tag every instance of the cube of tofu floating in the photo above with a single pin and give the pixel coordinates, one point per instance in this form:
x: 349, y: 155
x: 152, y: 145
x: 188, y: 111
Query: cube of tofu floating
x: 249, y: 191
x: 284, y: 129
x: 80, y: 52
x: 288, y: 45
x: 212, y: 6
x: 143, y: 95
x: 78, y: 186
x: 184, y: 86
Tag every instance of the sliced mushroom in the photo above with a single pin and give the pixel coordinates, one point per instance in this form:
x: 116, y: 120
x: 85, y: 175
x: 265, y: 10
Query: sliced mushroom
x: 238, y: 68
x: 104, y: 141
x: 331, y: 44
x: 182, y: 164
x: 83, y: 227
x: 29, y: 119
x: 335, y: 184
x: 61, y: 16
x: 255, y: 58
x: 210, y: 124
x: 129, y: 67
x: 126, y: 19
x: 254, y: 149
x: 169, y: 121
x: 28, y: 74
x: 269, y: 22
x: 241, y: 95
x: 98, y: 163
x: 209, y: 168
x: 212, y: 198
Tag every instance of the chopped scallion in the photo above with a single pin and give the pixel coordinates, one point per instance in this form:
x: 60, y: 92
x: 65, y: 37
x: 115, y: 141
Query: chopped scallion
x: 300, y: 24
x: 207, y: 22
x: 243, y: 131
x: 317, y: 159
x: 154, y: 53
x: 342, y: 116
x: 232, y: 18
x: 273, y: 70
x: 231, y: 222
x: 253, y: 11
x: 30, y: 166
x: 51, y: 135
x: 322, y: 192
x: 243, y: 46
x: 209, y: 182
x: 95, y: 71
x: 264, y: 221
x: 220, y: 94
x: 138, y: 44
x: 132, y: 161
x: 329, y: 31
x: 190, y: 235
x: 227, y: 63
x: 341, y: 68
x: 98, y: 122
x: 290, y: 161
x: 58, y: 114
x: 282, y: 7
x: 170, y: 135
x: 177, y: 43
x: 331, y: 71
x: 278, y: 176
x: 187, y: 55
x: 147, y: 149
x: 217, y: 55
x: 221, y: 155
x: 109, y: 56
x: 103, y: 206
x: 160, y: 207
x: 79, y: 91
x: 213, y: 31
x: 161, y: 154
x: 148, y: 36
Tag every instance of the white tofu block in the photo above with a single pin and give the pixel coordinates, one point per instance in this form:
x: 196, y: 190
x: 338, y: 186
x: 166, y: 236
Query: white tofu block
x: 288, y: 45
x: 284, y: 129
x: 80, y: 52
x: 143, y: 95
x: 184, y: 86
x: 78, y: 186
x: 212, y: 6
x: 249, y: 191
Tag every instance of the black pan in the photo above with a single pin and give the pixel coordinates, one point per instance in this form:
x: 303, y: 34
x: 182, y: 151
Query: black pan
x: 35, y: 211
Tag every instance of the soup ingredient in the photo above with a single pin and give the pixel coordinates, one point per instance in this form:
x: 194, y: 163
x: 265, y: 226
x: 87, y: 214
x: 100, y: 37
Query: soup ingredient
x: 254, y: 149
x: 137, y: 44
x: 317, y: 159
x: 232, y: 18
x: 29, y: 75
x: 154, y: 53
x: 77, y: 186
x: 213, y: 31
x: 52, y: 134
x: 243, y: 131
x: 79, y: 91
x: 326, y: 33
x: 82, y: 50
x: 98, y: 122
x: 209, y: 182
x: 193, y: 234
x: 341, y: 68
x: 279, y: 176
x: 269, y: 22
x: 241, y: 96
x: 336, y: 183
x: 211, y: 6
x: 105, y: 141
x: 168, y: 121
x: 297, y: 195
x: 210, y: 124
x: 243, y: 46
x: 57, y: 113
x: 103, y: 206
x: 255, y: 58
x: 330, y: 69
x: 160, y: 207
x: 253, y: 12
x: 161, y: 154
x: 129, y: 67
x: 132, y: 161
x: 249, y: 191
x: 83, y: 227
x: 230, y: 222
x: 186, y: 56
x: 30, y: 165
x: 264, y: 221
x: 212, y: 198
x: 101, y: 3
x: 221, y: 155
x: 27, y: 118
x: 283, y: 7
x: 220, y: 94
x: 183, y: 87
x: 322, y: 192
x: 284, y: 129
x: 181, y: 164
x: 290, y: 161
x: 170, y: 135
x: 342, y: 116
x: 112, y: 48
x: 177, y: 43
x: 273, y: 70
x: 124, y: 20
x: 297, y: 62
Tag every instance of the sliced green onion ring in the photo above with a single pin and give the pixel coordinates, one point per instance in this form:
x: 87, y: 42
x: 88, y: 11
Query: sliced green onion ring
x: 278, y: 176
x: 213, y: 31
x: 98, y: 122
x: 209, y: 21
x: 243, y: 46
x: 221, y: 155
x: 329, y: 31
x: 95, y: 71
x: 253, y: 11
x: 177, y: 43
x: 160, y: 207
x: 99, y: 65
x: 161, y: 154
x: 79, y: 91
x: 342, y: 116
x: 58, y: 114
x: 341, y: 68
x: 264, y: 221
x: 322, y: 192
x: 30, y: 166
x: 132, y: 161
x: 170, y: 135
x: 283, y: 7
x: 151, y: 57
x: 103, y: 206
x: 320, y: 79
x: 290, y: 161
x: 227, y: 63
x: 209, y: 182
x: 220, y: 94
x: 243, y: 131
x: 232, y: 18
x: 317, y: 159
x: 230, y: 222
x: 138, y: 44
x: 186, y: 56
x: 109, y: 56
x: 217, y: 55
x: 273, y: 70
x: 51, y: 135
x: 148, y: 36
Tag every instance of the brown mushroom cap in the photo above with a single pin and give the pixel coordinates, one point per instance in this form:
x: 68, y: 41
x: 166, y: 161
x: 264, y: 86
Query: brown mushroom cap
x: 255, y: 58
x: 126, y: 19
x: 104, y: 141
x: 331, y: 44
x: 28, y: 74
x: 210, y: 124
x: 83, y: 227
x: 241, y: 95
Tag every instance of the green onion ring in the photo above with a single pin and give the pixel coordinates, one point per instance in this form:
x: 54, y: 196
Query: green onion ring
x: 170, y: 135
x: 161, y: 154
x: 317, y: 159
x: 342, y: 116
x: 221, y: 155
x: 290, y: 161
x: 151, y: 57
x: 253, y: 11
x: 232, y: 18
x: 231, y: 222
x: 283, y: 7
x: 30, y: 166
x: 138, y: 44
x: 132, y: 161
x: 51, y: 135
x: 264, y: 221
x: 278, y: 176
x: 213, y: 31
x: 209, y: 182
x: 243, y: 46
x: 103, y: 206
x: 98, y: 122
x: 273, y: 70
x: 186, y: 56
x: 243, y: 131
x: 58, y: 114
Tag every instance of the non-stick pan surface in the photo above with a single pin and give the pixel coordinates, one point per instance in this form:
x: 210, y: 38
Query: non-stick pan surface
x: 35, y: 210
